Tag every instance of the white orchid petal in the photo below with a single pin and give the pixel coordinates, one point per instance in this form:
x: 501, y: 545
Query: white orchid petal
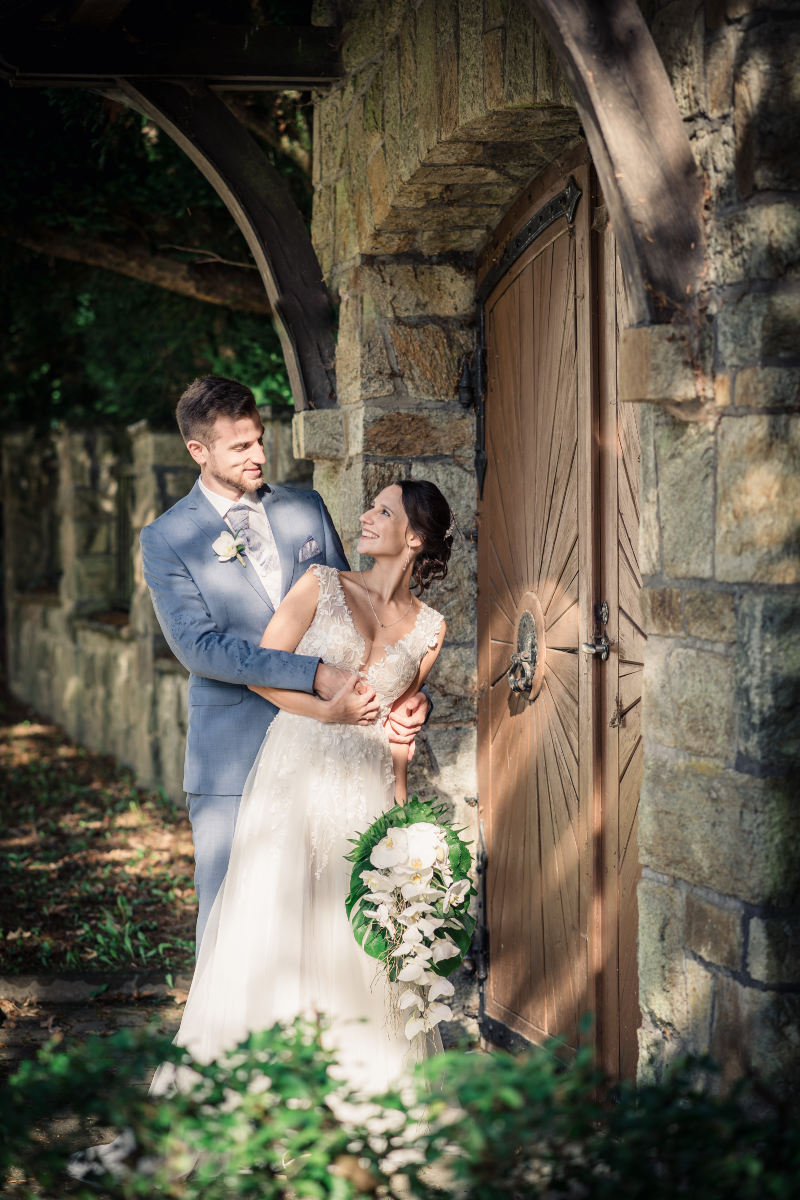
x: 435, y: 1013
x: 410, y: 999
x: 440, y: 987
x: 414, y: 1026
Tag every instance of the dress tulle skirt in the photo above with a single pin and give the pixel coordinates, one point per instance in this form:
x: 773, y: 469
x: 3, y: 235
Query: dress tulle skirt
x: 278, y: 942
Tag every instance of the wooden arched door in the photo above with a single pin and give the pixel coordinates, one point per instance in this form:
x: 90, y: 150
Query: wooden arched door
x: 559, y: 747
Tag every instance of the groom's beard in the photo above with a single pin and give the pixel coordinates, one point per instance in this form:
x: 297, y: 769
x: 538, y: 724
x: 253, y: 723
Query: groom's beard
x: 240, y: 480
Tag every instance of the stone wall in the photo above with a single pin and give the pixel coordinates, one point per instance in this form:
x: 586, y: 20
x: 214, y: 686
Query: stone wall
x: 718, y: 831
x: 447, y: 109
x: 79, y: 650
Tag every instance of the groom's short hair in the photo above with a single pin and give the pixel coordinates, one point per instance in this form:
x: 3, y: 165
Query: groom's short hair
x: 210, y: 397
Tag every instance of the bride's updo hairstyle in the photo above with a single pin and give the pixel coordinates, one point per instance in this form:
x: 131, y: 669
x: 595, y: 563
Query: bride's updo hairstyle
x: 429, y: 516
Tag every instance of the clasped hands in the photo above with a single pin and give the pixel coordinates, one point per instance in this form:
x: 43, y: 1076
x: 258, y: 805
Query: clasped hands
x: 351, y: 701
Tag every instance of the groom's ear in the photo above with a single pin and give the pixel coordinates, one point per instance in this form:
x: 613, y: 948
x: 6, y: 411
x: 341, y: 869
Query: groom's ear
x: 198, y: 451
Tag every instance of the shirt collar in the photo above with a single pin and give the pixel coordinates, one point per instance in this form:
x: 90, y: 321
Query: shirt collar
x: 223, y: 505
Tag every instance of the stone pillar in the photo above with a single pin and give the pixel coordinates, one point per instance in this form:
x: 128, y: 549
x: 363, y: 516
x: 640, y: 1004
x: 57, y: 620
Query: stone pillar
x: 87, y: 488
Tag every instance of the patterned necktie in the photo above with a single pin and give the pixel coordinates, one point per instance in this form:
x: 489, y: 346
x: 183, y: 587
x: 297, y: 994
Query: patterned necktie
x: 239, y: 520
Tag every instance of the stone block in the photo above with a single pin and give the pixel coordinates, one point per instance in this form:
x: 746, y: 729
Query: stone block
x: 362, y: 36
x: 755, y: 242
x: 685, y: 465
x: 447, y: 66
x: 427, y: 83
x: 363, y: 369
x: 773, y: 950
x: 765, y: 107
x: 377, y: 184
x: 720, y: 65
x: 702, y: 690
x: 757, y: 1032
x: 519, y: 79
x: 768, y: 682
x: 758, y: 325
x: 714, y: 150
x: 470, y: 61
x: 416, y: 432
x: 319, y: 434
x: 444, y: 763
x: 444, y: 241
x: 678, y: 30
x: 658, y: 364
x: 713, y: 932
x: 662, y: 611
x: 658, y: 714
x: 407, y: 53
x: 455, y: 597
x: 454, y: 682
x: 649, y: 526
x: 493, y: 89
x: 661, y: 958
x: 767, y: 387
x: 758, y: 498
x: 418, y: 289
x: 710, y: 615
x: 428, y: 357
x: 720, y: 829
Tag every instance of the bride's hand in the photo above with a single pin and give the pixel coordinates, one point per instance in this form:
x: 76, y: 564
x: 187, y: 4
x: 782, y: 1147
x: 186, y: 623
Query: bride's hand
x: 353, y: 704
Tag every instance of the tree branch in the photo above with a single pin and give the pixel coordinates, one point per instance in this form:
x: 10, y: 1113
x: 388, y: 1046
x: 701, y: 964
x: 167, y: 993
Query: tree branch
x: 212, y: 282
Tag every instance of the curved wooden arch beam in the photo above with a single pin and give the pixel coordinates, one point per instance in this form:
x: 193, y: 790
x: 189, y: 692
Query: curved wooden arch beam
x: 639, y: 147
x: 263, y: 208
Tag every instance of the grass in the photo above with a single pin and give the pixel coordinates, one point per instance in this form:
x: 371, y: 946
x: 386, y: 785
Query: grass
x: 95, y: 873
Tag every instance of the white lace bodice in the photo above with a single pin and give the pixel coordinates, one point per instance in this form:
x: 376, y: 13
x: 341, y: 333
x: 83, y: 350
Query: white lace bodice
x: 332, y: 636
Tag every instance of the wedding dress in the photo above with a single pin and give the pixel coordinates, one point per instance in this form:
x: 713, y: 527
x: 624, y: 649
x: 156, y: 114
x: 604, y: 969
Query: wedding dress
x: 278, y: 942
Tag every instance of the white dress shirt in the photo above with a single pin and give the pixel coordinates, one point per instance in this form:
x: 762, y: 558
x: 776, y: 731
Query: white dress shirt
x: 271, y: 578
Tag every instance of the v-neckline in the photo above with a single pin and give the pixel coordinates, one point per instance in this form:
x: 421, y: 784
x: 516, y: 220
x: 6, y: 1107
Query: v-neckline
x: 362, y: 670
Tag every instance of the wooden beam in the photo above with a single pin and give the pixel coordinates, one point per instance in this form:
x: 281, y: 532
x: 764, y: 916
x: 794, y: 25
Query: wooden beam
x: 262, y: 206
x: 639, y: 147
x: 268, y: 57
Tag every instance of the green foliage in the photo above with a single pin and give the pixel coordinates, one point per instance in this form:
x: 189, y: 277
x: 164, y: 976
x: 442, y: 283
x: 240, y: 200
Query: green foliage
x: 479, y: 1127
x: 84, y: 344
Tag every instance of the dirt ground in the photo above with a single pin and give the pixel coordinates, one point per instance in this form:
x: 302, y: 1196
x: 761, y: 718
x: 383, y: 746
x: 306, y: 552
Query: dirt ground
x: 95, y: 873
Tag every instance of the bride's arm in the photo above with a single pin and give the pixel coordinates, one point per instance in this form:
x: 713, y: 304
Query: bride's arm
x: 291, y: 620
x: 400, y: 749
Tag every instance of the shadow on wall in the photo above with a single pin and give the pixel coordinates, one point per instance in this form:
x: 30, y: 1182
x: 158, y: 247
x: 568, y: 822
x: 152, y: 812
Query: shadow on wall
x: 82, y: 643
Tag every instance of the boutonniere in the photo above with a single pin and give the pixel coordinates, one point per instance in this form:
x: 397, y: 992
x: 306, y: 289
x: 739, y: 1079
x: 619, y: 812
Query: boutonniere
x: 228, y: 546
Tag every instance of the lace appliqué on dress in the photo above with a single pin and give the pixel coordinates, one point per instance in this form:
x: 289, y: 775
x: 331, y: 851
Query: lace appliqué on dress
x: 344, y: 798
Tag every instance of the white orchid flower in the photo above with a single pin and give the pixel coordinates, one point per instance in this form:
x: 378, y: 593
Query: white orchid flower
x: 376, y: 881
x: 391, y: 849
x: 416, y: 971
x: 417, y: 885
x: 440, y: 987
x: 455, y: 894
x: 444, y: 948
x: 423, y: 843
x: 227, y: 547
x: 427, y: 1020
x: 412, y: 911
x: 380, y: 897
x: 410, y: 999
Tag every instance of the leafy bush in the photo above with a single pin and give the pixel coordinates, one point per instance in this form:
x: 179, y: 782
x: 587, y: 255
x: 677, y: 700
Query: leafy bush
x: 262, y: 1124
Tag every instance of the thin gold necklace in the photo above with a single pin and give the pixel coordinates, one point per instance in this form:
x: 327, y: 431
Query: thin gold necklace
x: 382, y: 624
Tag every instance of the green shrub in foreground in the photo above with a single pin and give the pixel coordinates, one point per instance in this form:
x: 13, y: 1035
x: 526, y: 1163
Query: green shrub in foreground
x: 472, y: 1125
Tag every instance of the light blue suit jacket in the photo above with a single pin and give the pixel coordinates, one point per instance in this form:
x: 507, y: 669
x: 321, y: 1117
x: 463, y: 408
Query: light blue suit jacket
x: 213, y: 614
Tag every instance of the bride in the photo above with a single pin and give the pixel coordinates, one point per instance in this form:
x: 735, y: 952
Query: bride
x: 278, y: 942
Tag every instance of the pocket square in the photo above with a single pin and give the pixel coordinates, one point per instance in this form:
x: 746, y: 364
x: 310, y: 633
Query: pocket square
x: 308, y: 549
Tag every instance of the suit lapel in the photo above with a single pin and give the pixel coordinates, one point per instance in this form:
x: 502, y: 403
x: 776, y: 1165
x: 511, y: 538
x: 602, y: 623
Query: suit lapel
x: 211, y: 525
x: 280, y: 516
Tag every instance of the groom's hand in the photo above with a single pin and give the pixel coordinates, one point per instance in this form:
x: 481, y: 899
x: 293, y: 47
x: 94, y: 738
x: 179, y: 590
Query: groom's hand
x: 329, y: 680
x: 405, y: 721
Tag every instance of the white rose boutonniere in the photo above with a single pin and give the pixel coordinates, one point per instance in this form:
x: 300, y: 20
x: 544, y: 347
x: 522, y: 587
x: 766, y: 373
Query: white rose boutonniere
x: 228, y: 546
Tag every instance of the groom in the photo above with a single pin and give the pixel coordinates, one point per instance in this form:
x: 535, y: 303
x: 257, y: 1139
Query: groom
x: 213, y: 603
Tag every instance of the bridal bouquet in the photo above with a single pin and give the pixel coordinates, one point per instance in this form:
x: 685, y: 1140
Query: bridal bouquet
x: 408, y: 905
